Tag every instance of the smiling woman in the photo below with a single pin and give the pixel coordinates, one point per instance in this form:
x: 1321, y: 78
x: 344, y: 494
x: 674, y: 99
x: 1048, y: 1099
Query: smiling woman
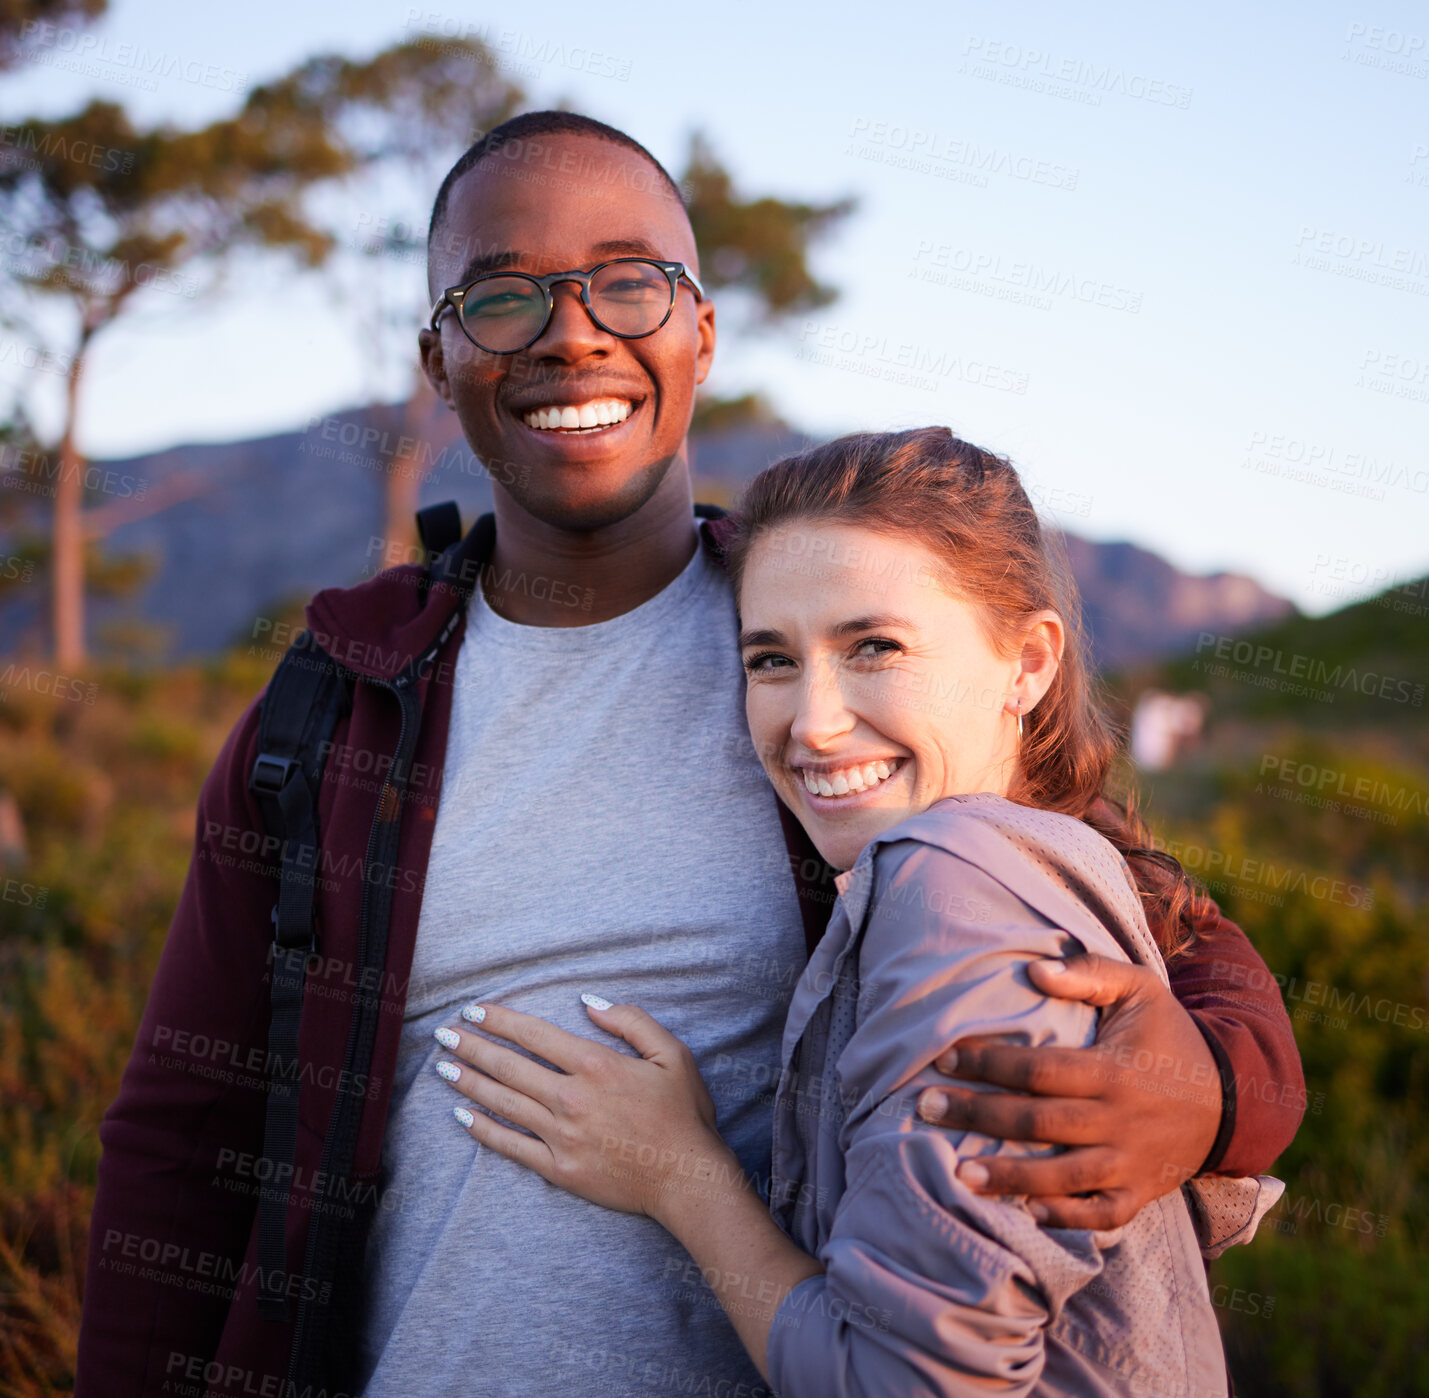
x: 873, y: 717
x: 900, y: 601
x: 917, y: 696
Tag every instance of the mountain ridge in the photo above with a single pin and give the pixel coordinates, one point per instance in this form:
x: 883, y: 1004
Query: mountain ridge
x: 259, y: 523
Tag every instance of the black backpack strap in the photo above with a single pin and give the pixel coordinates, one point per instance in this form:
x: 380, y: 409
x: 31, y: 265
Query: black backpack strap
x: 459, y: 565
x: 439, y: 526
x: 710, y: 512
x: 305, y: 699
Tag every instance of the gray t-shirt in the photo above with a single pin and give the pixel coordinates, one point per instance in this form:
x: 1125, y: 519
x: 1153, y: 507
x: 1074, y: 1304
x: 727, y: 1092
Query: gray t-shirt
x: 604, y: 825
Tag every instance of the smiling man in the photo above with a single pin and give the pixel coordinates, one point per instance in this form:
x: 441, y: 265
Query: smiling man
x: 571, y: 802
x: 615, y: 833
x: 605, y: 506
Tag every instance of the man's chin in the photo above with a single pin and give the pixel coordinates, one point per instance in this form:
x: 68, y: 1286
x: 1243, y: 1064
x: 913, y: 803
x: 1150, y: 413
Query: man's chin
x: 582, y: 500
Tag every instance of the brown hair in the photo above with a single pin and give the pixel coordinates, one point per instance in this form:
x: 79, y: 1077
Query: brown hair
x: 969, y: 509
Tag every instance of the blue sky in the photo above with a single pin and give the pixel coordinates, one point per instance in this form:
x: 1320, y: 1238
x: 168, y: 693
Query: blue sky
x: 1175, y: 265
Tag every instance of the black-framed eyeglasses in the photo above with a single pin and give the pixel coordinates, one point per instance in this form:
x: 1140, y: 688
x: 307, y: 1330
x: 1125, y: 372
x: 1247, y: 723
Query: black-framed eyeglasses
x: 504, y: 312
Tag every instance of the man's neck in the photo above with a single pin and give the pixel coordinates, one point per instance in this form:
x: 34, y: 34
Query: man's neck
x: 544, y: 576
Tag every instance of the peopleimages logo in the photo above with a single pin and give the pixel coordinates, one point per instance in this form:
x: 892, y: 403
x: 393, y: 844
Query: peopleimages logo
x: 927, y: 151
x: 1330, y: 782
x: 1350, y: 1002
x: 1232, y: 867
x: 1066, y: 75
x: 1294, y: 666
x: 1032, y: 277
x: 49, y: 683
x: 34, y: 147
x: 31, y: 472
x: 524, y: 52
x: 874, y: 355
x: 1363, y: 259
x: 45, y: 42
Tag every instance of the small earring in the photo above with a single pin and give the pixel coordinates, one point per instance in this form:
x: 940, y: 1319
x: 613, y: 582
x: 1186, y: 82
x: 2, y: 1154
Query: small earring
x: 1019, y: 720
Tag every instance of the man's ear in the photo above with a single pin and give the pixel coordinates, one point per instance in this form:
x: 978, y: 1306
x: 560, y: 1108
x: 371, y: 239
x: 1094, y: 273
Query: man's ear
x: 429, y: 345
x: 705, y: 325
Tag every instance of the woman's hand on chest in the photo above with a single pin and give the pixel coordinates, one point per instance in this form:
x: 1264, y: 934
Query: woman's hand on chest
x: 626, y: 1133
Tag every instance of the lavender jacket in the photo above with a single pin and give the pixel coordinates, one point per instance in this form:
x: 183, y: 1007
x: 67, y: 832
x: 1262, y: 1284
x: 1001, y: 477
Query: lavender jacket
x: 930, y: 1289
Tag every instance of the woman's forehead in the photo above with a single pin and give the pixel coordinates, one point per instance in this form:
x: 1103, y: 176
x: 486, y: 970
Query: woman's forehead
x: 831, y: 569
x: 843, y: 551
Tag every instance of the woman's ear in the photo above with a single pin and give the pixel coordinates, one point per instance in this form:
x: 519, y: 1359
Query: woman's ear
x: 1036, y: 666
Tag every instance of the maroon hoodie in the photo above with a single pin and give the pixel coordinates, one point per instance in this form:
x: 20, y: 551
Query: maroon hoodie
x: 171, y: 1292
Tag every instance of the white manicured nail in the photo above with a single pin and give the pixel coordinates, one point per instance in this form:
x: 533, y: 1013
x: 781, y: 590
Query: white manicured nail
x: 449, y: 1071
x: 596, y: 1002
x: 474, y: 1012
x: 464, y: 1116
x: 447, y: 1038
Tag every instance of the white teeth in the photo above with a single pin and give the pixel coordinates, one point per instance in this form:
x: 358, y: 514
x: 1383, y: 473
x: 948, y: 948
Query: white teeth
x: 584, y: 417
x: 848, y: 779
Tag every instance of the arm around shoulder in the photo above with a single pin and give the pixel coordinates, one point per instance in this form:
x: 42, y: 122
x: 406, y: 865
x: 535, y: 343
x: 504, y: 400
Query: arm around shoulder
x: 1235, y: 1000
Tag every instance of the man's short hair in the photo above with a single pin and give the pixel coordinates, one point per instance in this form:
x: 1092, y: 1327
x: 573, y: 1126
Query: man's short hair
x: 525, y: 127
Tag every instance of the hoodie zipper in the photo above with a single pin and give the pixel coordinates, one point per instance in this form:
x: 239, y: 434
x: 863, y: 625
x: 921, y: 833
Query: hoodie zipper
x: 401, y: 687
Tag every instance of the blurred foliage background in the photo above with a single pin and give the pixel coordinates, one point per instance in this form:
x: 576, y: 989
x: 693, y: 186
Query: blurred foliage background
x: 1295, y: 791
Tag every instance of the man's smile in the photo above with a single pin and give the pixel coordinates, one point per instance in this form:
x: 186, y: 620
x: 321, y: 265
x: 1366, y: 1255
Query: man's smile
x: 590, y: 416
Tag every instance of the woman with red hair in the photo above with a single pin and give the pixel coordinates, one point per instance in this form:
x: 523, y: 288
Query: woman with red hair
x: 919, y: 697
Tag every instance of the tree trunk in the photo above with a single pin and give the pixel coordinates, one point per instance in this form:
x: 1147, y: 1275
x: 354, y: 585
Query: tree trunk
x: 67, y: 538
x: 404, y: 473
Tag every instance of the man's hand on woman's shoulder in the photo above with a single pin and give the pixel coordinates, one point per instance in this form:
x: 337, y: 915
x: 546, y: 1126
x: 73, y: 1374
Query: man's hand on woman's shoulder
x: 1138, y: 1111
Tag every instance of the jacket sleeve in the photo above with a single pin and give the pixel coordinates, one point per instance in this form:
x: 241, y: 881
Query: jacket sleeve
x: 1236, y: 1003
x: 175, y: 1197
x: 928, y: 1288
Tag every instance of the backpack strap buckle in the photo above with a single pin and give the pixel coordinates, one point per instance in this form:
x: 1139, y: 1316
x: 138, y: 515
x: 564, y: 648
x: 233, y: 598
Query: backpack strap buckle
x: 289, y: 942
x: 270, y: 774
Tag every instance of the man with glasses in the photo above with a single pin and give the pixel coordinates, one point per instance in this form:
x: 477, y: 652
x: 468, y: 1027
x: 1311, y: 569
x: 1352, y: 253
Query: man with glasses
x: 581, y: 811
x: 507, y: 312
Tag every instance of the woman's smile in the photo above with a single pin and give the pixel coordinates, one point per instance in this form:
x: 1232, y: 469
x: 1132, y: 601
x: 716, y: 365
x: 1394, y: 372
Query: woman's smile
x: 833, y: 785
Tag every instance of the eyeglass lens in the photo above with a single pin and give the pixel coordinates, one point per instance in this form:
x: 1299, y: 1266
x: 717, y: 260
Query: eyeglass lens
x: 505, y: 313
